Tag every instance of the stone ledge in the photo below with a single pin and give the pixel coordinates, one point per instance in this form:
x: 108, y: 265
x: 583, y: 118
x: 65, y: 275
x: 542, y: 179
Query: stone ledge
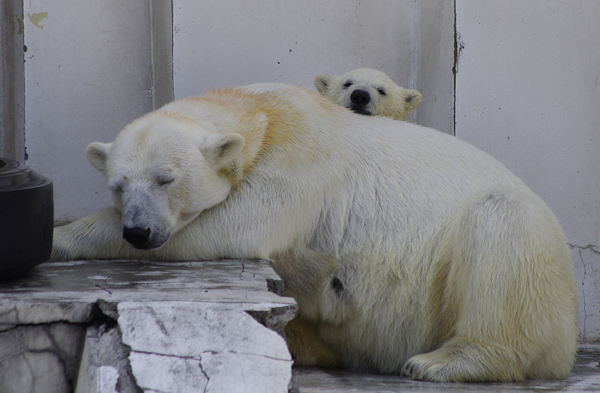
x: 139, y: 326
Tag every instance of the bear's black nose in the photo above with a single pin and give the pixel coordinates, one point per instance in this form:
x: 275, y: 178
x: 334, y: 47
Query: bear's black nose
x: 136, y: 236
x: 360, y: 97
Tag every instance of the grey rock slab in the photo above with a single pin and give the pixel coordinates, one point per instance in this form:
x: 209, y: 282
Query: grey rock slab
x: 232, y: 372
x: 168, y: 374
x: 188, y: 329
x: 22, y: 310
x: 81, y: 282
x: 40, y: 358
x: 34, y: 372
x: 192, y: 347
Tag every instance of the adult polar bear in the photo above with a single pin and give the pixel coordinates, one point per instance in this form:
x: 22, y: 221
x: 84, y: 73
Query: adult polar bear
x: 407, y: 250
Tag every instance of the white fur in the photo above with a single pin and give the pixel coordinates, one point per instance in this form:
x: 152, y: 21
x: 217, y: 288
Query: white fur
x: 403, y: 246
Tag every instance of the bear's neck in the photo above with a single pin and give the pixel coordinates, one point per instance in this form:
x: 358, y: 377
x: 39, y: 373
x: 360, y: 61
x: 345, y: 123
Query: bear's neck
x: 258, y: 117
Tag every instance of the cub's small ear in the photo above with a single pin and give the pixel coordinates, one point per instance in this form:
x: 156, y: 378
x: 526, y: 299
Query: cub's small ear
x: 97, y: 153
x: 412, y: 99
x: 221, y: 150
x: 322, y: 83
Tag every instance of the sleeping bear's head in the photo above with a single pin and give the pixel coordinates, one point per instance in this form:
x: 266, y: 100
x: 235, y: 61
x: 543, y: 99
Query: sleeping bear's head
x: 368, y: 92
x: 163, y: 170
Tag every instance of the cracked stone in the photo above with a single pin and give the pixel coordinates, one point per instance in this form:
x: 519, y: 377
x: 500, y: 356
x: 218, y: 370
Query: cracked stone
x: 220, y: 346
x: 189, y: 329
x: 40, y: 358
x: 34, y: 372
x: 233, y: 372
x: 104, y: 348
x: 168, y: 374
x: 19, y: 312
x: 108, y: 378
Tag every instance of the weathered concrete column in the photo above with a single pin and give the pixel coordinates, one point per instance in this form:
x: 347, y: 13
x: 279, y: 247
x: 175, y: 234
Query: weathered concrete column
x: 12, y: 82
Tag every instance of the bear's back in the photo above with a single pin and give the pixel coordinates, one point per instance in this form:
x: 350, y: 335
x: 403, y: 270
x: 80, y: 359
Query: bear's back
x: 364, y: 179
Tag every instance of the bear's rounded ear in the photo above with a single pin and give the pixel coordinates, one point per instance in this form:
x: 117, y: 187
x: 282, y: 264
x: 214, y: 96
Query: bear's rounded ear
x: 322, y: 83
x: 221, y: 150
x: 412, y: 99
x: 97, y: 153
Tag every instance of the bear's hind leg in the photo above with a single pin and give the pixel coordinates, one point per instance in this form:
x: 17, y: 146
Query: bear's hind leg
x: 511, y: 289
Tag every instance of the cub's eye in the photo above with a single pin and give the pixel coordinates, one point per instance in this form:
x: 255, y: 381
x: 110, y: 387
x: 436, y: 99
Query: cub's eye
x: 347, y: 84
x: 381, y: 91
x: 117, y: 187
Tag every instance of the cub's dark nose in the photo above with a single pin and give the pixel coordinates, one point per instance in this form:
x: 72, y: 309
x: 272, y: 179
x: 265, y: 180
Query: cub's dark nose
x: 136, y: 236
x: 360, y: 97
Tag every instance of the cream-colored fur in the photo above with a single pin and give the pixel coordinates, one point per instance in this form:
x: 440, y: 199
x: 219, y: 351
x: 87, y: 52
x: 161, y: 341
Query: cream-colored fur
x: 406, y: 249
x: 368, y: 92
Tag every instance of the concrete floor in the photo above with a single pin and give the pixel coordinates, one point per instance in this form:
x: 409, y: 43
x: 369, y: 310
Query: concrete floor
x: 584, y: 378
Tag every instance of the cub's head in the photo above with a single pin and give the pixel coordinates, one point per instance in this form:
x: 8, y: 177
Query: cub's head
x: 163, y: 170
x: 368, y: 92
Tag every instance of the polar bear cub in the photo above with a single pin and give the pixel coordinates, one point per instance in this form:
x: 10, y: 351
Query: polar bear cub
x: 407, y: 250
x: 368, y: 92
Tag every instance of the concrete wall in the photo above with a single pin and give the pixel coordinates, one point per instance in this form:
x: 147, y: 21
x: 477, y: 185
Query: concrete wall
x: 88, y: 73
x: 528, y: 93
x: 93, y: 66
x: 228, y: 42
x: 432, y: 67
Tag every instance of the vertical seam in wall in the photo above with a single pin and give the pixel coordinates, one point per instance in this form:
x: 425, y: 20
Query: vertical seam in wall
x: 459, y: 45
x: 152, y: 63
x: 412, y: 82
x: 172, y: 76
x: 414, y: 54
x: 455, y: 68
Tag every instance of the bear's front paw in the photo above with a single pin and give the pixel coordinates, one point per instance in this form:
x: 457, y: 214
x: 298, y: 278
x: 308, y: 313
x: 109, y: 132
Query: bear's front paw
x: 466, y: 361
x: 428, y: 367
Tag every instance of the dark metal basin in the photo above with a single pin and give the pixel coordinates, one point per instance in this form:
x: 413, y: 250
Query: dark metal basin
x: 26, y: 219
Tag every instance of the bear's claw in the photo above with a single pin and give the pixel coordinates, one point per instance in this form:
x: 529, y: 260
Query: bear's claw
x: 422, y: 368
x: 414, y: 370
